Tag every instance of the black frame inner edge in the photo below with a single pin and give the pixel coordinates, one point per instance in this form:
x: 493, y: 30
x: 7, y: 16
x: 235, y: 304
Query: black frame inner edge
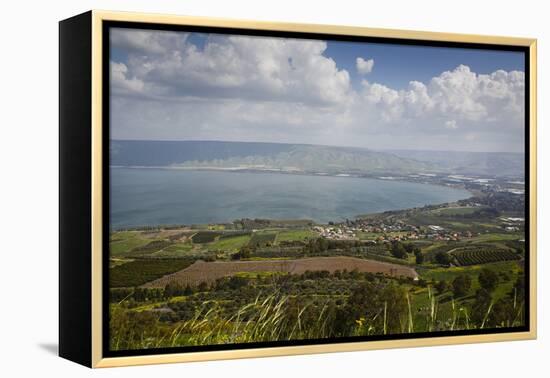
x: 106, y: 25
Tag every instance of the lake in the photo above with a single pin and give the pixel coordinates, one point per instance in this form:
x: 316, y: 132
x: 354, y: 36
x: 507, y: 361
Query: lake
x: 141, y: 197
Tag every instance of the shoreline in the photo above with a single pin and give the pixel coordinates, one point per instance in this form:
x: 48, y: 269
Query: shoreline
x: 409, y: 178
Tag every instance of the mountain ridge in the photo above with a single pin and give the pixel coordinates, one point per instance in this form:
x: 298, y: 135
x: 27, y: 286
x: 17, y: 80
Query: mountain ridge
x: 309, y: 158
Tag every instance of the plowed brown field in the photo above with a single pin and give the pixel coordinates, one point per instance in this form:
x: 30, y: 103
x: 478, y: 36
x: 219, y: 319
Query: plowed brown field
x: 210, y: 271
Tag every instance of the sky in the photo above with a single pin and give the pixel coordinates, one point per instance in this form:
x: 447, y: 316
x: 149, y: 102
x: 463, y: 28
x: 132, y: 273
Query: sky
x: 189, y: 86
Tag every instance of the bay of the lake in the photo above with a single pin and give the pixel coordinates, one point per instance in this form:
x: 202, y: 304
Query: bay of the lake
x: 147, y: 197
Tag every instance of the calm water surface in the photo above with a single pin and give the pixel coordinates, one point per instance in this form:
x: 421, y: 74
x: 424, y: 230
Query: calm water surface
x: 164, y: 196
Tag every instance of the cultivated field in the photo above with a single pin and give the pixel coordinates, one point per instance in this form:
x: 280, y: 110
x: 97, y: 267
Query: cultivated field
x: 202, y: 271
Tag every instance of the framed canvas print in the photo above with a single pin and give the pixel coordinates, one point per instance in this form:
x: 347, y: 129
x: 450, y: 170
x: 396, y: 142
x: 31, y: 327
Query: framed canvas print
x: 234, y: 189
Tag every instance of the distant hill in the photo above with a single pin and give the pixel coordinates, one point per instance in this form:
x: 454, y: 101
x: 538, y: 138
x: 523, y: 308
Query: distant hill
x: 470, y: 163
x: 166, y: 153
x: 306, y: 158
x: 252, y: 155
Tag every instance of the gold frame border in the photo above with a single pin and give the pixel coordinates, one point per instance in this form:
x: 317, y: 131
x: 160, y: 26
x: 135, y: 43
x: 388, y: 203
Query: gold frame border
x: 97, y: 358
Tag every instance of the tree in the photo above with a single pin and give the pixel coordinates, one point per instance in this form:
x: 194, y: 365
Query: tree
x: 398, y: 250
x: 140, y: 294
x: 419, y: 256
x: 409, y: 247
x: 461, y: 285
x: 519, y: 288
x: 503, y: 314
x: 172, y: 289
x: 188, y: 290
x: 366, y: 306
x: 236, y: 282
x: 441, y: 287
x: 395, y: 298
x: 244, y: 253
x: 203, y: 286
x: 442, y: 258
x: 323, y: 244
x: 132, y: 327
x: 488, y: 279
x: 480, y: 307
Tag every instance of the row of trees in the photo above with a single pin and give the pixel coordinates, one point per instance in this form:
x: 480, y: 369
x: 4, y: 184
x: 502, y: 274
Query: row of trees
x: 460, y: 286
x: 316, y: 246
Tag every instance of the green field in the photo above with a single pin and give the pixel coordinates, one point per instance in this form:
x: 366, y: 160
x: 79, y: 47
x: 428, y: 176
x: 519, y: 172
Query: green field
x: 174, y: 250
x: 230, y: 243
x: 124, y: 242
x: 150, y: 248
x: 205, y: 237
x: 262, y: 239
x: 295, y: 235
x: 118, y: 261
x: 492, y: 237
x: 456, y: 211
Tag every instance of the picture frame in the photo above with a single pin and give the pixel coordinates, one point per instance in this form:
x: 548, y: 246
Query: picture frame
x: 85, y: 150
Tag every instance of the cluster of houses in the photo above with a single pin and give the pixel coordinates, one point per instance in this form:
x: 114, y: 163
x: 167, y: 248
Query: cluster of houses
x: 336, y: 232
x: 512, y: 224
x: 398, y: 231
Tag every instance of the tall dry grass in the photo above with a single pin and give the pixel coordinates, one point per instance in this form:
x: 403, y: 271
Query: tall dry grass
x: 268, y: 319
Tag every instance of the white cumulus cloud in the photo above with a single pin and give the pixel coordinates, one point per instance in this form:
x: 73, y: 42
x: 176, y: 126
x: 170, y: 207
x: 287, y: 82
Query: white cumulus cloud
x: 495, y: 100
x: 255, y: 68
x: 451, y: 124
x: 364, y: 66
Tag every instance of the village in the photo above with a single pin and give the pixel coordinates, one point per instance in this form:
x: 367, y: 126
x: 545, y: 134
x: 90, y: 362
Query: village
x: 381, y: 232
x: 388, y: 229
